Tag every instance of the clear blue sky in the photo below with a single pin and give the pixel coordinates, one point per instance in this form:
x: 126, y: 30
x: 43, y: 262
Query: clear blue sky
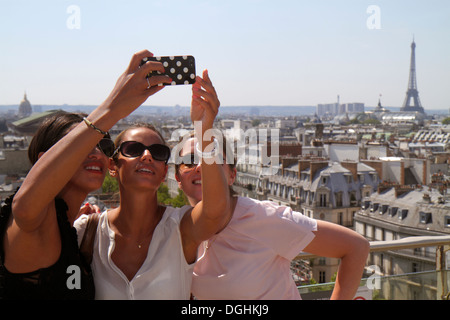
x: 258, y: 52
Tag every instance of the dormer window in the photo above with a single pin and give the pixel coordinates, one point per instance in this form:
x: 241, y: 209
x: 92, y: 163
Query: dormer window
x: 403, y: 214
x: 365, y: 205
x: 348, y: 178
x: 374, y: 207
x: 425, y: 217
x: 447, y: 221
x: 392, y: 211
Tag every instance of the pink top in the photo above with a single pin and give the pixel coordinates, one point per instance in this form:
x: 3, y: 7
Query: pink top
x: 250, y: 258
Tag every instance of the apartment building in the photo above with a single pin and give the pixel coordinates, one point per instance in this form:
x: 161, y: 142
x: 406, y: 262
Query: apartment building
x: 322, y: 190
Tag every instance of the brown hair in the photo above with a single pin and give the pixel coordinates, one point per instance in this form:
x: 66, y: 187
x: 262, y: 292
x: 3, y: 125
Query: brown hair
x: 51, y: 130
x: 136, y: 125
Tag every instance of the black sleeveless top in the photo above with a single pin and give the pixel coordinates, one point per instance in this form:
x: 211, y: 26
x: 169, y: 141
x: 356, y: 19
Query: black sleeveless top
x: 69, y: 278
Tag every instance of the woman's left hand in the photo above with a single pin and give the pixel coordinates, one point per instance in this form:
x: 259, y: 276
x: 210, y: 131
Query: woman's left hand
x: 205, y: 103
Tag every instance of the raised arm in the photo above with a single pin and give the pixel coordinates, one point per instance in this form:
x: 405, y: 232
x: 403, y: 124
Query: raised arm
x: 335, y: 241
x: 56, y: 166
x: 212, y: 213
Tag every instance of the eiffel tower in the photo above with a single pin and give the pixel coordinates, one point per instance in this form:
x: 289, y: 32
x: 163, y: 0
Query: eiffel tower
x: 412, y: 93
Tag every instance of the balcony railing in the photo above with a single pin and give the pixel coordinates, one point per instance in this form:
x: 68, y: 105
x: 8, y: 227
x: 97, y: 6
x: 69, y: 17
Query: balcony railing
x: 427, y: 285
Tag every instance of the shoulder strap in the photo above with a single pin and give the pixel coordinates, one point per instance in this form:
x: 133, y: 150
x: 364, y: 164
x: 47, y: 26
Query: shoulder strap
x: 87, y: 244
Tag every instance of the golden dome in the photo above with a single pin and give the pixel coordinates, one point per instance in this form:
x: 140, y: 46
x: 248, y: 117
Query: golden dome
x: 25, y: 107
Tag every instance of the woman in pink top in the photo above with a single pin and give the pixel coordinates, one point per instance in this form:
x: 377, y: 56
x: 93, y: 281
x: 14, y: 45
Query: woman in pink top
x: 250, y: 258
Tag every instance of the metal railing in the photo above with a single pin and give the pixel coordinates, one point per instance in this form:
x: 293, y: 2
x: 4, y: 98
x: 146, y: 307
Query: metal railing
x: 433, y: 284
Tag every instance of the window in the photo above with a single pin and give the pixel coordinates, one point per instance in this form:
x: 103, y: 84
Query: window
x: 374, y: 207
x: 447, y: 221
x: 322, y: 277
x: 402, y: 214
x: 384, y: 208
x: 338, y: 196
x: 392, y: 211
x: 374, y: 177
x: 322, y: 200
x: 365, y: 205
x: 353, y: 201
x: 425, y: 217
x: 348, y: 178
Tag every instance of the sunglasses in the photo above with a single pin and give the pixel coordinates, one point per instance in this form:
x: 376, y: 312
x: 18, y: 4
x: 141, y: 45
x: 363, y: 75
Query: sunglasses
x: 106, y: 146
x: 188, y: 162
x: 132, y: 149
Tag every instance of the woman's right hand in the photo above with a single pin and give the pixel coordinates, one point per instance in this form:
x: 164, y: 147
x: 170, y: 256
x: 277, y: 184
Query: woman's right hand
x: 132, y: 87
x: 42, y: 185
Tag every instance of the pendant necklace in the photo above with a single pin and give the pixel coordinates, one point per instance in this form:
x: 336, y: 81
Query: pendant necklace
x: 160, y: 210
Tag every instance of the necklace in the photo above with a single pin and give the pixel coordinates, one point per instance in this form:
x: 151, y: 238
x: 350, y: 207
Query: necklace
x: 140, y: 242
x: 160, y: 212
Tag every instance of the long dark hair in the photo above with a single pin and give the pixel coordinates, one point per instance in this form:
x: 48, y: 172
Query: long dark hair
x: 51, y: 130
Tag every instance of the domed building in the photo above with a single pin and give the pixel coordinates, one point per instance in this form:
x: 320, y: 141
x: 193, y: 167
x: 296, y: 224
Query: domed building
x: 25, y: 107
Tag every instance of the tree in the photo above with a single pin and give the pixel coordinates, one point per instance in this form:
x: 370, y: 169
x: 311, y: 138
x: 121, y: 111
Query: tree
x: 371, y: 121
x: 164, y: 197
x: 110, y: 184
x: 446, y: 120
x: 256, y: 122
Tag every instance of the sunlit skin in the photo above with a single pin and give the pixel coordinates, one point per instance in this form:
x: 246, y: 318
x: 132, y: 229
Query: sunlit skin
x: 143, y: 171
x: 91, y: 173
x: 190, y: 180
x: 138, y: 213
x: 331, y: 240
x: 71, y: 169
x: 88, y: 177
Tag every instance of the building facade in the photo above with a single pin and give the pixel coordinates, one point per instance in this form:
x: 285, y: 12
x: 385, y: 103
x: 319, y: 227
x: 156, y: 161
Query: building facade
x: 395, y: 212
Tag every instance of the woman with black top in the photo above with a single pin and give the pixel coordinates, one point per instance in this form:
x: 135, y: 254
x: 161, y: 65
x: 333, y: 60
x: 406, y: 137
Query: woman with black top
x: 39, y: 255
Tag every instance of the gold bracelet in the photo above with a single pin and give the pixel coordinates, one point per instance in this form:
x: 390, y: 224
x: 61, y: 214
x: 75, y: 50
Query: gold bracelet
x: 90, y: 124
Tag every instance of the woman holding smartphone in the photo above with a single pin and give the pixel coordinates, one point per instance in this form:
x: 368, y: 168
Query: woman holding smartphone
x: 38, y: 246
x: 250, y: 258
x: 143, y: 250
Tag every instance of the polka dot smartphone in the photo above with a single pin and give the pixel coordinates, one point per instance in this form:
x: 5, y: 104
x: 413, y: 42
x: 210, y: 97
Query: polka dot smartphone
x: 181, y: 69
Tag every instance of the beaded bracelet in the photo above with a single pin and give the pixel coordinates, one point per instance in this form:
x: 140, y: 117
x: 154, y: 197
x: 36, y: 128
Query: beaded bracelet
x: 90, y: 124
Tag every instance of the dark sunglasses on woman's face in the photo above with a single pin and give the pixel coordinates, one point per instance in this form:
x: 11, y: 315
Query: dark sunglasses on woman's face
x: 106, y: 145
x: 188, y: 162
x: 132, y: 149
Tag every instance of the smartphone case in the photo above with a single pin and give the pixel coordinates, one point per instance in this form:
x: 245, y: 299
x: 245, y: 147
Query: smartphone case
x: 181, y: 69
